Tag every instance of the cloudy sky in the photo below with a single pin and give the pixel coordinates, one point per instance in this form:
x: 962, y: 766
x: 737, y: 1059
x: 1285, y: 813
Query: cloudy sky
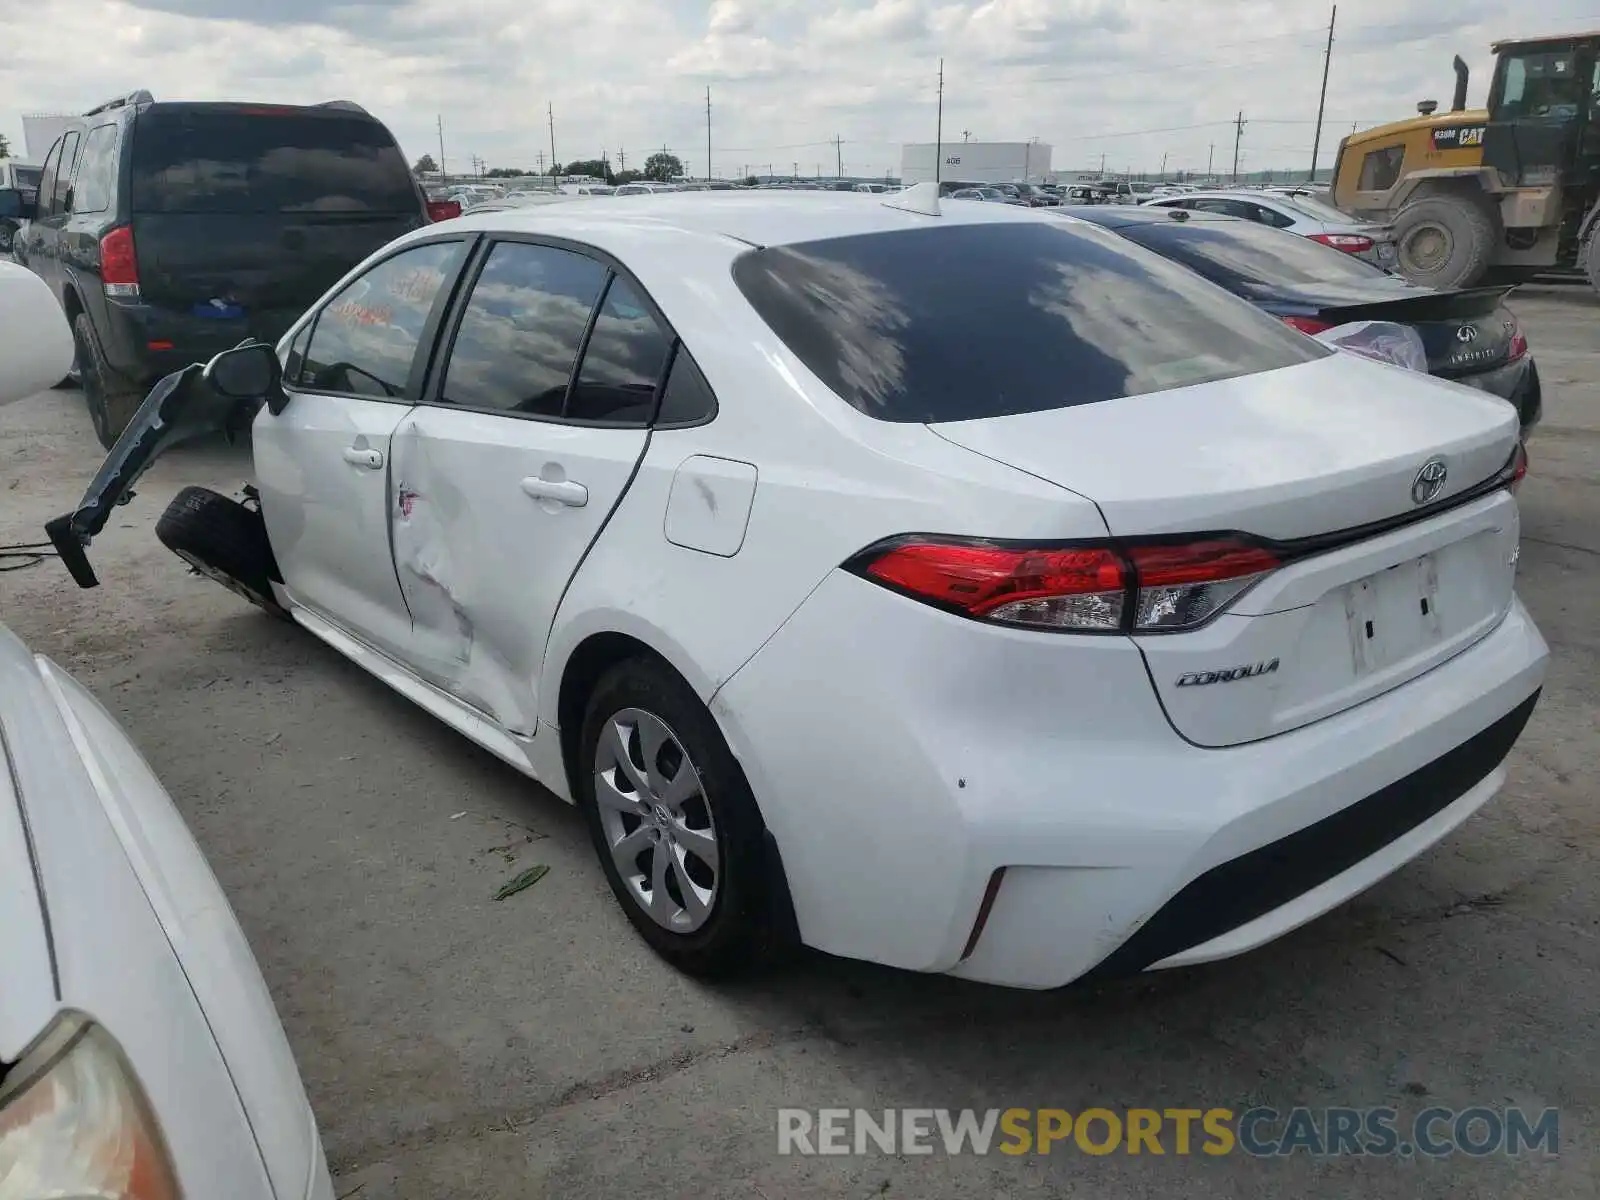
x: 1135, y: 80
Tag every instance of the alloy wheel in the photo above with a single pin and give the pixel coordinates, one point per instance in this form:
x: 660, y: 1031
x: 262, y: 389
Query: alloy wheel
x: 657, y: 823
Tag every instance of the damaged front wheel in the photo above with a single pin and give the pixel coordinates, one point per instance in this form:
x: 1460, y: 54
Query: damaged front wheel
x: 225, y: 541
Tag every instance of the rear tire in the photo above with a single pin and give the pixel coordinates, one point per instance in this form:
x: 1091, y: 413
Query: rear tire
x: 1445, y: 241
x: 727, y: 926
x: 112, y: 398
x: 224, y: 541
x: 8, y: 238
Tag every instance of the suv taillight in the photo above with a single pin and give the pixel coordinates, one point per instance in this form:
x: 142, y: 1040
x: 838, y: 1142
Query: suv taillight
x: 1150, y: 587
x: 119, y: 268
x: 443, y: 210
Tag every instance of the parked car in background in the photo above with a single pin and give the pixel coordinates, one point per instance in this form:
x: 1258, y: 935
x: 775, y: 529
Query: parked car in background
x: 1470, y: 337
x: 991, y: 195
x: 961, y: 546
x: 169, y: 231
x: 642, y: 189
x: 1035, y: 196
x: 140, y: 1054
x: 876, y: 188
x: 1299, y: 215
x: 23, y: 178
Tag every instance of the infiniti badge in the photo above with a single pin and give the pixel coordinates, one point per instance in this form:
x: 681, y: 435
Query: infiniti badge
x: 1467, y: 333
x: 1429, y: 481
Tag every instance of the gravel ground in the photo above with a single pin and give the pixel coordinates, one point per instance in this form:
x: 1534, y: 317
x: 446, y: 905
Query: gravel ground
x: 457, y: 1046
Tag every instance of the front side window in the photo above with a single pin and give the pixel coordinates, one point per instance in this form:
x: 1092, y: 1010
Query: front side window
x: 1380, y: 169
x: 962, y: 322
x: 521, y: 330
x: 622, y: 362
x: 47, y: 178
x: 366, y: 337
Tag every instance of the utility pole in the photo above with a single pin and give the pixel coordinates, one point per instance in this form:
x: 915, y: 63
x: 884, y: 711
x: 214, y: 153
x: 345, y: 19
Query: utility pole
x: 554, y: 169
x: 1102, y: 164
x: 795, y: 173
x: 1210, y: 154
x: 1322, y: 100
x: 938, y: 134
x: 1163, y: 166
x: 441, y: 146
x: 966, y: 135
x: 708, y: 135
x: 1238, y: 134
x: 540, y: 157
x: 622, y: 160
x: 838, y: 157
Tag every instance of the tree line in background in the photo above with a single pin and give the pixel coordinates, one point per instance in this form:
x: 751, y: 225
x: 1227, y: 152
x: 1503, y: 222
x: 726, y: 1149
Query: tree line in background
x: 660, y: 167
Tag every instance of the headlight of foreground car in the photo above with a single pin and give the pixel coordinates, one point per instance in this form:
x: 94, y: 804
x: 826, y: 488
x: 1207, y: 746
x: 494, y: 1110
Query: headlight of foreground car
x: 74, y: 1122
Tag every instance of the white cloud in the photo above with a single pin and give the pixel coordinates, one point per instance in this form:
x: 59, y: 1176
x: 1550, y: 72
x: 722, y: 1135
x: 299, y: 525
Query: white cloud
x: 786, y: 75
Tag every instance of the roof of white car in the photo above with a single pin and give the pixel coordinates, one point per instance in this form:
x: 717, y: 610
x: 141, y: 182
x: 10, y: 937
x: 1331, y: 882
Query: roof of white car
x: 763, y: 219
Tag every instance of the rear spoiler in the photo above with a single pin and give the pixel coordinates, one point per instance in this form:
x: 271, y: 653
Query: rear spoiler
x: 1425, y: 306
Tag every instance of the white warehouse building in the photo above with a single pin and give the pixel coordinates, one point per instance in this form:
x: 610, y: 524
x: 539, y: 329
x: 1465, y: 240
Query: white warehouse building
x: 976, y: 162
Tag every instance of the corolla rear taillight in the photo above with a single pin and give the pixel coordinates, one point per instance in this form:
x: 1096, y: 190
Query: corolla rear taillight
x: 1135, y: 587
x: 1311, y: 325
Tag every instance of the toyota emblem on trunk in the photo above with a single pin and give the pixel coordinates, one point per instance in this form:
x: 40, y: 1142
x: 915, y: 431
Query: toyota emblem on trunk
x: 1429, y: 481
x: 1467, y: 333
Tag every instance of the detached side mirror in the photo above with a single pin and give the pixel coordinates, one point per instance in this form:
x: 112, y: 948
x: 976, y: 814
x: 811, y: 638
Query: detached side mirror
x: 15, y: 205
x: 249, y: 372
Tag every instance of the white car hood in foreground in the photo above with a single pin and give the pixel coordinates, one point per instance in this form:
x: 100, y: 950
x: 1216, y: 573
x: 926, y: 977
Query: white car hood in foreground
x: 140, y: 932
x: 1328, y: 445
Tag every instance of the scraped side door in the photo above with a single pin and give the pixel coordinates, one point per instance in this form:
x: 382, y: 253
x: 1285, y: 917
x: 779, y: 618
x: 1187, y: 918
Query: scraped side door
x: 512, y: 465
x: 322, y: 463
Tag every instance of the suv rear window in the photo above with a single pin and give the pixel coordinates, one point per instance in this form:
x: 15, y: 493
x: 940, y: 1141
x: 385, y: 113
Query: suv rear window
x: 960, y: 322
x: 266, y: 161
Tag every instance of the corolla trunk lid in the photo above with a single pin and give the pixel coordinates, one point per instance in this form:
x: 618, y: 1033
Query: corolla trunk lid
x: 1375, y: 489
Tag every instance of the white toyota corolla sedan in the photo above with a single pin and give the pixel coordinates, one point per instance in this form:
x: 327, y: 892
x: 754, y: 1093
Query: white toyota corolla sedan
x: 140, y: 1055
x: 971, y: 592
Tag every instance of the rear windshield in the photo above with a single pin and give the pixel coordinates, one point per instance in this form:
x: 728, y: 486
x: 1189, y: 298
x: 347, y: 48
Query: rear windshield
x: 958, y: 322
x: 234, y: 162
x: 1240, y: 251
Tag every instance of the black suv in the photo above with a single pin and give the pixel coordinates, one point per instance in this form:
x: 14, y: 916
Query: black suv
x: 172, y: 231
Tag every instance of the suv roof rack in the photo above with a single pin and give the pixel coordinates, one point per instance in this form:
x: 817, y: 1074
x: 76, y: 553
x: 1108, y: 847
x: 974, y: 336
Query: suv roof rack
x: 141, y: 96
x: 345, y: 105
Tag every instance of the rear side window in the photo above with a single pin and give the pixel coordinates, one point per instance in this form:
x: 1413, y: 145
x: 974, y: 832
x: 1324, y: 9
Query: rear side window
x: 70, y: 142
x: 366, y: 337
x: 622, y: 362
x: 687, y: 399
x: 521, y: 330
x: 96, y: 187
x: 1231, y: 253
x: 210, y: 161
x: 959, y: 322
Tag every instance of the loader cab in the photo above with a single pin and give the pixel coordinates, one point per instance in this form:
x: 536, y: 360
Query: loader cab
x: 1544, y: 112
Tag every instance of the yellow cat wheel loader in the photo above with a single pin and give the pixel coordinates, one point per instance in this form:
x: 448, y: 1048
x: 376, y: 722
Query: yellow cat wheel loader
x: 1500, y: 193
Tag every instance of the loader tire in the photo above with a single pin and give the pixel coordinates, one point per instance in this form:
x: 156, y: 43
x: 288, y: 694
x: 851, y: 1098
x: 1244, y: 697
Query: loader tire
x: 1445, y: 241
x: 224, y: 541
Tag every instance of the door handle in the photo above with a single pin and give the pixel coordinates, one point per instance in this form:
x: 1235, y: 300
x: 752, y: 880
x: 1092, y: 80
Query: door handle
x: 371, y: 459
x: 573, y: 495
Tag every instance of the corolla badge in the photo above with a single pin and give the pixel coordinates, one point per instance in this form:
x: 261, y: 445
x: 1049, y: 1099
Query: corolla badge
x: 1429, y: 481
x: 1228, y: 675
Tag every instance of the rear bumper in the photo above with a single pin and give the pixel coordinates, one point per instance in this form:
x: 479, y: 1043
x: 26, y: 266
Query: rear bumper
x: 959, y: 751
x: 145, y: 341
